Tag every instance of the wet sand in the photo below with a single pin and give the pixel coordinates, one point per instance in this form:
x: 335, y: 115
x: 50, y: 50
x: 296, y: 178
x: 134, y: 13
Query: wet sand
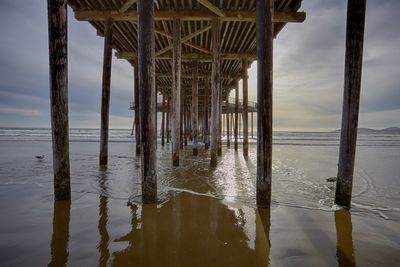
x: 205, y: 217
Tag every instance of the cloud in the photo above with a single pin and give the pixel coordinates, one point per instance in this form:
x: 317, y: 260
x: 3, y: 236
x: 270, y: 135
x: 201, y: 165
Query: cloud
x: 308, y: 69
x: 25, y: 112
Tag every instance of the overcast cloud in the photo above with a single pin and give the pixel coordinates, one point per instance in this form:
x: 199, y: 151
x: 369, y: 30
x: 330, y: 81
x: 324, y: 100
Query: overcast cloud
x: 308, y: 69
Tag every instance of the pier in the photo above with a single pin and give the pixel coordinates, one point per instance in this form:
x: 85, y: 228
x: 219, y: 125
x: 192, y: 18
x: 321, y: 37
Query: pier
x: 194, y: 53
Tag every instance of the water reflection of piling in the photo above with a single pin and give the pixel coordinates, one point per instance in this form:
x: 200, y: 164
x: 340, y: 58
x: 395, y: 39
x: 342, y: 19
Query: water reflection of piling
x: 60, y: 237
x: 263, y: 243
x: 102, y: 246
x: 344, y: 233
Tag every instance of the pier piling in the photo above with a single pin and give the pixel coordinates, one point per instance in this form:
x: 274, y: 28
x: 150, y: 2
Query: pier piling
x: 105, y: 97
x: 264, y: 33
x: 147, y: 87
x: 351, y: 100
x: 58, y: 66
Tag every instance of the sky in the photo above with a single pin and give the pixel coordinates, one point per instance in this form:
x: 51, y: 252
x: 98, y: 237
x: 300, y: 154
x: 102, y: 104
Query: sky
x: 308, y: 69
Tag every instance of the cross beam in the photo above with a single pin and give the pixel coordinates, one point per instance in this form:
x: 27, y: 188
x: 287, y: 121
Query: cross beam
x: 192, y: 15
x: 190, y: 57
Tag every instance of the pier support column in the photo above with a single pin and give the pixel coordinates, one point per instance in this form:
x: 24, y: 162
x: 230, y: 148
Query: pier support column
x: 206, y: 107
x: 195, y: 104
x: 264, y: 32
x: 167, y: 119
x: 252, y: 131
x: 236, y: 114
x: 176, y: 92
x: 147, y: 87
x: 245, y: 109
x: 228, y: 134
x: 58, y: 65
x: 215, y: 90
x: 163, y: 120
x: 351, y: 100
x: 137, y: 104
x: 105, y: 98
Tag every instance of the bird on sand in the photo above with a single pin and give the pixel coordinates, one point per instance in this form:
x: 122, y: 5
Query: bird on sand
x: 331, y: 179
x: 39, y: 156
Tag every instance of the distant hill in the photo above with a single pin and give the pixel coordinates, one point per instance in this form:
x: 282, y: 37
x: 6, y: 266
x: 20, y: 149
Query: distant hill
x: 389, y: 130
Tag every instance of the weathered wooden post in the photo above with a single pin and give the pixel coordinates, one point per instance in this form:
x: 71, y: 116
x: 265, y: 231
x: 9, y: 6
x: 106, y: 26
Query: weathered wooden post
x: 137, y: 104
x: 167, y: 119
x: 228, y: 135
x: 148, y: 120
x: 58, y: 66
x: 245, y: 108
x: 176, y: 92
x: 351, y: 100
x: 163, y: 120
x: 195, y: 104
x: 105, y: 98
x: 236, y: 114
x: 252, y: 136
x: 215, y: 90
x: 219, y: 150
x: 264, y: 32
x: 206, y: 107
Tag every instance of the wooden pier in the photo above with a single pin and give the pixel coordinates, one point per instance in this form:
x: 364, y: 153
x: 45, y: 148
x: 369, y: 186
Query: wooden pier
x: 194, y: 53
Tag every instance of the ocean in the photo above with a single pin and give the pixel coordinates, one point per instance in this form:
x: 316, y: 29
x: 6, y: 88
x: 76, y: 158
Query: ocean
x: 205, y: 216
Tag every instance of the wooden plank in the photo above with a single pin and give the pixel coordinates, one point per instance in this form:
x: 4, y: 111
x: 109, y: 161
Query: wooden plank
x: 265, y: 35
x: 188, y: 15
x: 127, y: 5
x: 191, y: 56
x: 176, y: 92
x: 195, y: 105
x: 105, y: 98
x: 245, y: 114
x: 215, y: 90
x: 58, y: 66
x: 148, y: 120
x: 213, y: 8
x: 351, y: 100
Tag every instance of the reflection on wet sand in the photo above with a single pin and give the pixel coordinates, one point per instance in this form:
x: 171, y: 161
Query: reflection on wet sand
x: 344, y: 233
x: 193, y: 230
x: 102, y: 246
x: 60, y: 237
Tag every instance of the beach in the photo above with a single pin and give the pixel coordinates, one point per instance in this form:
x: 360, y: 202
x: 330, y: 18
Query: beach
x: 204, y: 216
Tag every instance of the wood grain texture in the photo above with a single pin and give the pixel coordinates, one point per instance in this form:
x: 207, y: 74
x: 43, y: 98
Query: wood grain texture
x: 58, y: 68
x: 351, y: 100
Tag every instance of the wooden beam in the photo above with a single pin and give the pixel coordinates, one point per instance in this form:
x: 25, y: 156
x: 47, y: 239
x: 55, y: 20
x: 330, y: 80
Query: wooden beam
x: 228, y: 135
x: 264, y: 31
x: 127, y: 5
x: 351, y: 100
x: 188, y: 15
x: 215, y: 89
x: 191, y: 57
x: 105, y: 98
x: 197, y: 47
x: 176, y: 92
x: 58, y: 66
x: 147, y: 87
x: 163, y: 121
x: 213, y: 8
x: 184, y: 39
